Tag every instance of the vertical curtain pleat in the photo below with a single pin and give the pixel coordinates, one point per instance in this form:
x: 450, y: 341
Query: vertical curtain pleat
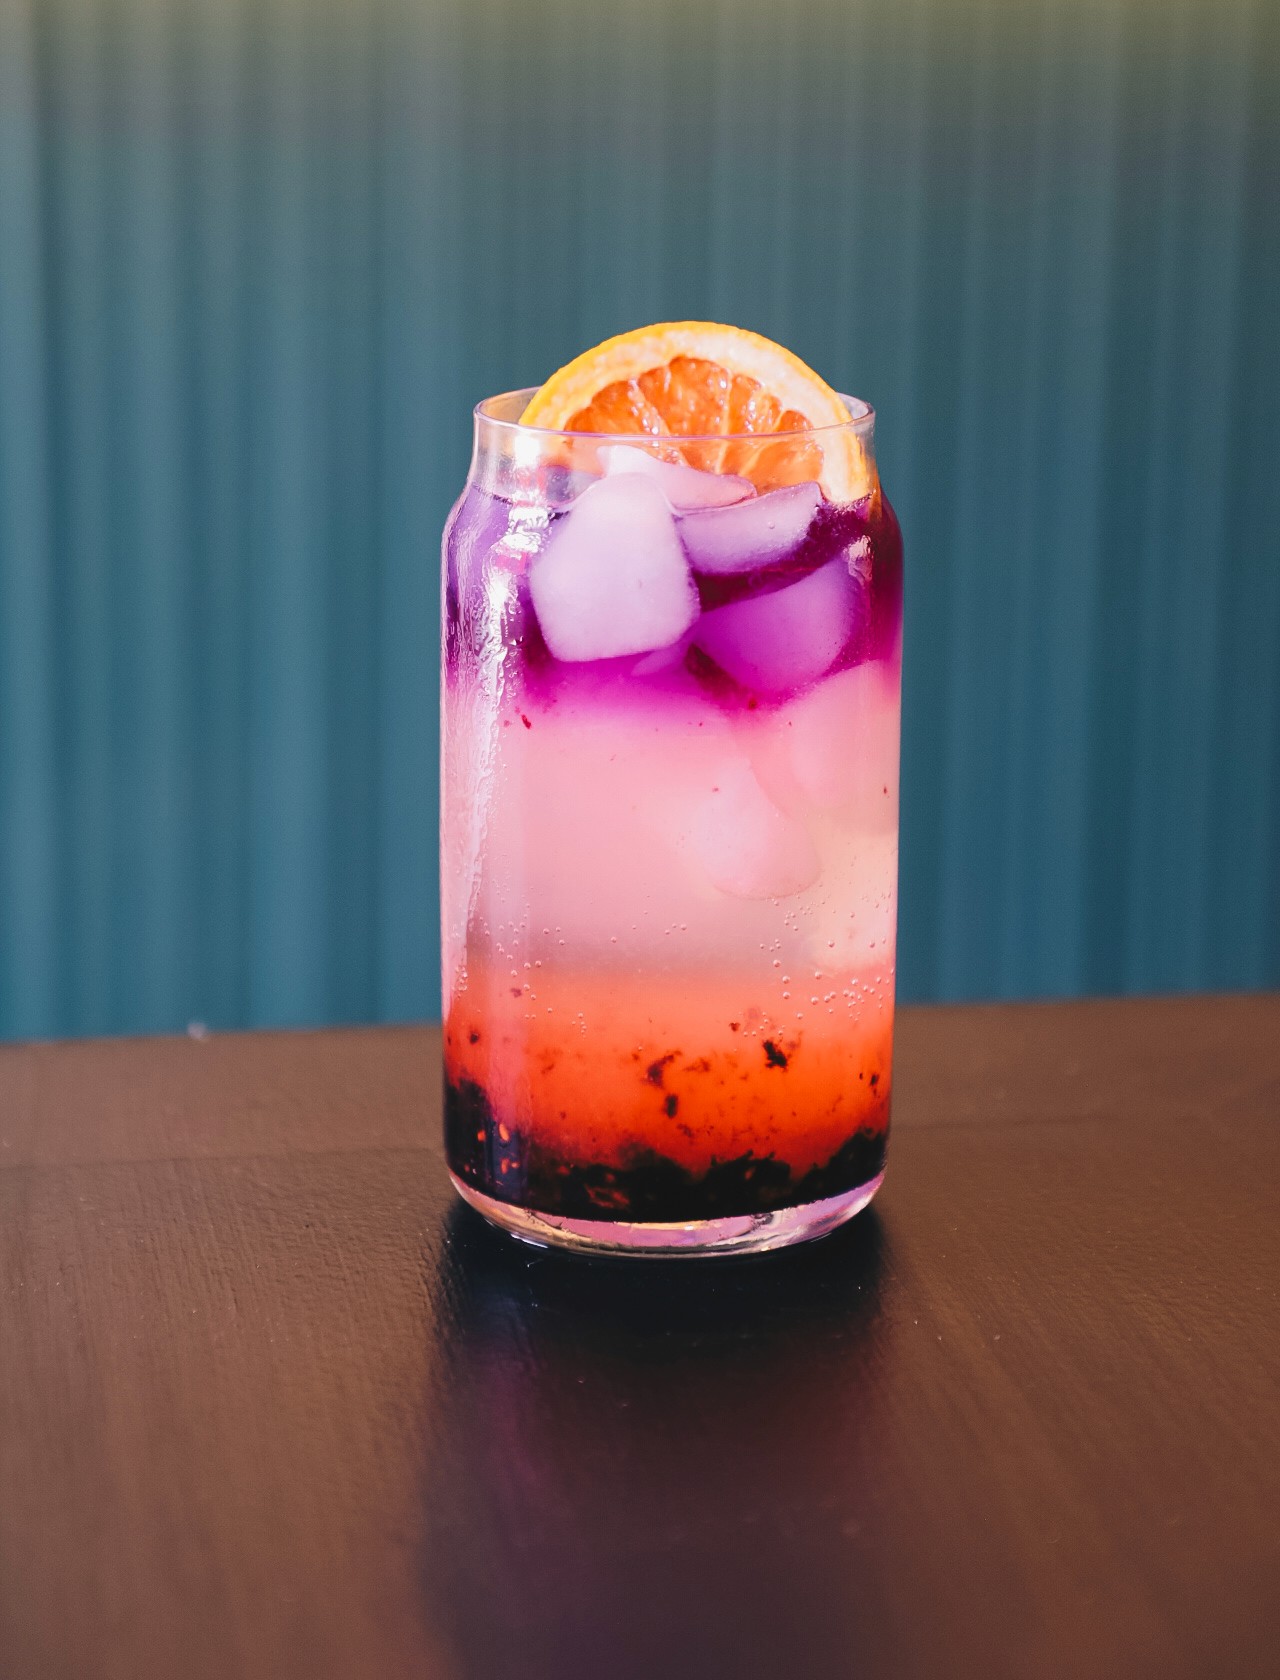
x: 217, y: 144
x: 30, y: 813
x: 258, y: 258
x: 1242, y: 890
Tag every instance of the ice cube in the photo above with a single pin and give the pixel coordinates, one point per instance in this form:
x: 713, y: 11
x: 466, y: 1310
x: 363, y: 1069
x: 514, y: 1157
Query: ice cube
x: 664, y: 659
x: 682, y: 485
x: 855, y: 927
x: 477, y: 524
x: 744, y: 844
x: 750, y: 534
x: 613, y: 578
x: 779, y: 642
x: 841, y: 741
x: 587, y: 809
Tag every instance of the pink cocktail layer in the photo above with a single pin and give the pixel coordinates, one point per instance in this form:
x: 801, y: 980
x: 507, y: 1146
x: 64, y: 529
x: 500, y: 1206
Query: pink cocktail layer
x: 670, y: 881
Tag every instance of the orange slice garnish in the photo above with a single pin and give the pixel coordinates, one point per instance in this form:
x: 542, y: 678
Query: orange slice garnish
x: 749, y: 406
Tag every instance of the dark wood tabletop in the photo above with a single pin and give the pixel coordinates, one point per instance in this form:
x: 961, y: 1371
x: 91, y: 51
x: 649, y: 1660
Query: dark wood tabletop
x: 273, y: 1404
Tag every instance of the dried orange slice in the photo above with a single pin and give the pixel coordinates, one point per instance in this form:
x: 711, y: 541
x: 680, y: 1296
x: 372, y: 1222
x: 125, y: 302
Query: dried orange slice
x: 747, y: 405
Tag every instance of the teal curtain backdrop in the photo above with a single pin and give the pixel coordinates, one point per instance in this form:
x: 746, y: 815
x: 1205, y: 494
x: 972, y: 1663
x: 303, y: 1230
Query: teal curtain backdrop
x: 259, y: 257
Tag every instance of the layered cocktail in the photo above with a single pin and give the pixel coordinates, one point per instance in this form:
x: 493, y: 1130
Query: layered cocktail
x: 672, y: 622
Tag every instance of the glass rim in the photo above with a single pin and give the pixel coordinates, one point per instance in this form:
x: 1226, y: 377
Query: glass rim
x: 861, y: 419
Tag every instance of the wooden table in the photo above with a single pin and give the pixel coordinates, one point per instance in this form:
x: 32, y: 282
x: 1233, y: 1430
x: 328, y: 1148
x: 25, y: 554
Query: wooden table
x: 273, y: 1404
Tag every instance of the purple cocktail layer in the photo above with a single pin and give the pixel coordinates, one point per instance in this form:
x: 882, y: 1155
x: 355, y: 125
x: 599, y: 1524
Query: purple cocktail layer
x: 755, y: 600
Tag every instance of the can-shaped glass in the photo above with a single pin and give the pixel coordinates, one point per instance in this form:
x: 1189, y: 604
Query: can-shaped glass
x: 669, y: 833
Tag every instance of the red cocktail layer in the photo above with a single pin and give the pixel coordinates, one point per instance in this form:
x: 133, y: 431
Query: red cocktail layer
x: 613, y: 1096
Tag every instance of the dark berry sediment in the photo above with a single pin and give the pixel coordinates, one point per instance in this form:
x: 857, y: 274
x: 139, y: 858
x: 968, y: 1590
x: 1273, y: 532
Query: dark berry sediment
x: 642, y: 1185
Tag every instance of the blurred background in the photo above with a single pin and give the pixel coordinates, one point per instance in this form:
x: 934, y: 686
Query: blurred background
x: 258, y: 258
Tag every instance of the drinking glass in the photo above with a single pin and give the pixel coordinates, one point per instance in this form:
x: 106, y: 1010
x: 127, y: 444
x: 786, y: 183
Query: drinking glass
x: 669, y: 826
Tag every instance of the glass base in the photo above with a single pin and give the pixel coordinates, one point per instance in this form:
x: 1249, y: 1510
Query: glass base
x: 748, y: 1233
